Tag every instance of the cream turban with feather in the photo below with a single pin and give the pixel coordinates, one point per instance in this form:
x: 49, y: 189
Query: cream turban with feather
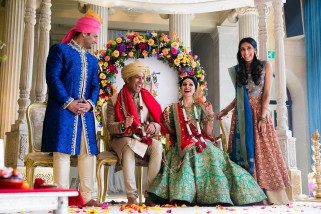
x: 133, y: 69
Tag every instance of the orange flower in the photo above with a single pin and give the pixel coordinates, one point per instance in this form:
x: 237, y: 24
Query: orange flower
x: 130, y: 54
x: 116, y: 53
x: 135, y: 40
x: 166, y: 39
x: 101, y: 91
x: 119, y: 40
x: 165, y: 51
x: 177, y: 61
x: 154, y: 34
x: 190, y: 57
x: 175, y: 45
x: 151, y: 42
x: 180, y: 56
x: 102, y: 76
x: 174, y: 35
x: 144, y: 53
x: 107, y: 58
x: 193, y: 64
x: 100, y: 63
x: 102, y: 52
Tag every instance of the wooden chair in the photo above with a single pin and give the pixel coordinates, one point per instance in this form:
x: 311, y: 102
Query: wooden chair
x: 107, y: 158
x: 35, y: 116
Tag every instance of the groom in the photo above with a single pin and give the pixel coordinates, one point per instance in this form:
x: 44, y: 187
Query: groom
x: 134, y: 121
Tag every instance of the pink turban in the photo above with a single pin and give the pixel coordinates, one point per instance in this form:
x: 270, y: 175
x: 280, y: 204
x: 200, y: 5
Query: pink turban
x: 83, y: 25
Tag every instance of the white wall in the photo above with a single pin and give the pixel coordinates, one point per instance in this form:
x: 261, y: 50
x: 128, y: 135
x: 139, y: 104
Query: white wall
x: 167, y: 80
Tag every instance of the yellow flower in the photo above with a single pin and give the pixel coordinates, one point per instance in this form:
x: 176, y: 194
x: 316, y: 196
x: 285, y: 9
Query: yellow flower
x: 154, y: 34
x: 104, y: 83
x: 151, y: 42
x: 100, y: 102
x: 174, y: 35
x: 177, y: 61
x: 153, y: 51
x: 184, y: 60
x: 131, y: 54
x: 119, y: 40
x: 102, y: 76
x: 180, y: 56
x: 190, y: 57
x: 193, y: 64
x: 116, y: 53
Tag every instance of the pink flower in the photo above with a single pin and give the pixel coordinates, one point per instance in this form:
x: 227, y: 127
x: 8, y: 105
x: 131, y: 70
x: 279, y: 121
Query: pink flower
x: 174, y: 51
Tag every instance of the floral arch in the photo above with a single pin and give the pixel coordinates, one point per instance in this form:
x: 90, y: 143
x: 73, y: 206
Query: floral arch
x: 134, y: 46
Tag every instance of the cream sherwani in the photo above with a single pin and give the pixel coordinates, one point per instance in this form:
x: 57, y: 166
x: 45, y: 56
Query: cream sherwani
x: 128, y: 148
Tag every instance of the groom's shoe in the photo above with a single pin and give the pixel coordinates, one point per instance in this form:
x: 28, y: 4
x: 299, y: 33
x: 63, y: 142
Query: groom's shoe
x: 92, y: 203
x: 132, y: 200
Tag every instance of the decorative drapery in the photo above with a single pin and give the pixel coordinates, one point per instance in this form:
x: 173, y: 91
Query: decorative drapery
x: 312, y: 23
x: 172, y: 6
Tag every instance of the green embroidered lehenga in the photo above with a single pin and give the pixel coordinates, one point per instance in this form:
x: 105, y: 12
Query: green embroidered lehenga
x: 205, y: 178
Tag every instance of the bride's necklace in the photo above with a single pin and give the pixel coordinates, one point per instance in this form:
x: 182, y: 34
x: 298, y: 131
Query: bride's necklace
x: 199, y: 141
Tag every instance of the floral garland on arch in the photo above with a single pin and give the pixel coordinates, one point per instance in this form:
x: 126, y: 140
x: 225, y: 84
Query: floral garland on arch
x: 134, y: 46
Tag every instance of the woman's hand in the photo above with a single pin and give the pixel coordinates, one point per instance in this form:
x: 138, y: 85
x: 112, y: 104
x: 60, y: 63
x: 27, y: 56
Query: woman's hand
x: 262, y: 126
x: 209, y: 108
x: 220, y: 115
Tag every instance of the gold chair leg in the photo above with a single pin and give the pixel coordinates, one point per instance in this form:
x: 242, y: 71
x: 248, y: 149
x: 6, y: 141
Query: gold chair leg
x: 106, y: 168
x: 140, y: 183
x: 30, y: 174
x: 98, y: 169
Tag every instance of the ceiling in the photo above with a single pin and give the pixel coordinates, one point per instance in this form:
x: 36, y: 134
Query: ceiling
x: 66, y: 12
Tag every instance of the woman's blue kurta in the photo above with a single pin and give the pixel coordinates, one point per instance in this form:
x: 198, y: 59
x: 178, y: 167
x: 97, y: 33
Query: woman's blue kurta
x: 71, y: 74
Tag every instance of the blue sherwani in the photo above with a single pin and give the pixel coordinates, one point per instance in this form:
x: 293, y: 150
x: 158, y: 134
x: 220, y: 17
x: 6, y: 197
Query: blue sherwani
x: 71, y: 74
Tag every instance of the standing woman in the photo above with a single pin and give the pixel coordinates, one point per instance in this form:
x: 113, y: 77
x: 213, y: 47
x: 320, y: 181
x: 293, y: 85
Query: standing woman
x: 253, y: 142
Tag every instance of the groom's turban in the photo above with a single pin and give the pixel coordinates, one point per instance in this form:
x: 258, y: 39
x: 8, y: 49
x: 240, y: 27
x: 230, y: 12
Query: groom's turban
x: 133, y: 69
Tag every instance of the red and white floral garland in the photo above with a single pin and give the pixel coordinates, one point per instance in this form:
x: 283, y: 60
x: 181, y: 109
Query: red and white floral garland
x: 200, y: 143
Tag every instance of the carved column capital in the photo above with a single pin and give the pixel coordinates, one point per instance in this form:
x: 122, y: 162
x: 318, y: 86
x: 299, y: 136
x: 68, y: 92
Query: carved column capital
x: 246, y: 10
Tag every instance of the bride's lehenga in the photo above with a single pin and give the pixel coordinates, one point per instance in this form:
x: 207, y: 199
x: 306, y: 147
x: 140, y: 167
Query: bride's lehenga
x: 204, y: 178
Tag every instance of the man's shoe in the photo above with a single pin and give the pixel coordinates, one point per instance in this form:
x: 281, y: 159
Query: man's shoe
x: 132, y: 201
x: 92, y: 203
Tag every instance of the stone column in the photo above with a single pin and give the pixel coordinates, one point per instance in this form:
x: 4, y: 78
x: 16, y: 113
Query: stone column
x: 263, y: 11
x: 248, y: 22
x: 287, y: 142
x: 180, y: 24
x: 35, y: 59
x: 17, y: 143
x: 10, y: 69
x: 43, y: 49
x: 102, y: 37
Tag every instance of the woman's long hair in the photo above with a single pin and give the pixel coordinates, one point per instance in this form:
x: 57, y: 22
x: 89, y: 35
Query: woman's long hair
x: 256, y: 65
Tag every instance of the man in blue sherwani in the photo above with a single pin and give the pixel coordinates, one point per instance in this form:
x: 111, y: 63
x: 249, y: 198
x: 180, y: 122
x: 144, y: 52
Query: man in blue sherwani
x: 73, y: 87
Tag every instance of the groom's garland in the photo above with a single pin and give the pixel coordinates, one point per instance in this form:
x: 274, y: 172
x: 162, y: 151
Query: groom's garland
x: 134, y: 45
